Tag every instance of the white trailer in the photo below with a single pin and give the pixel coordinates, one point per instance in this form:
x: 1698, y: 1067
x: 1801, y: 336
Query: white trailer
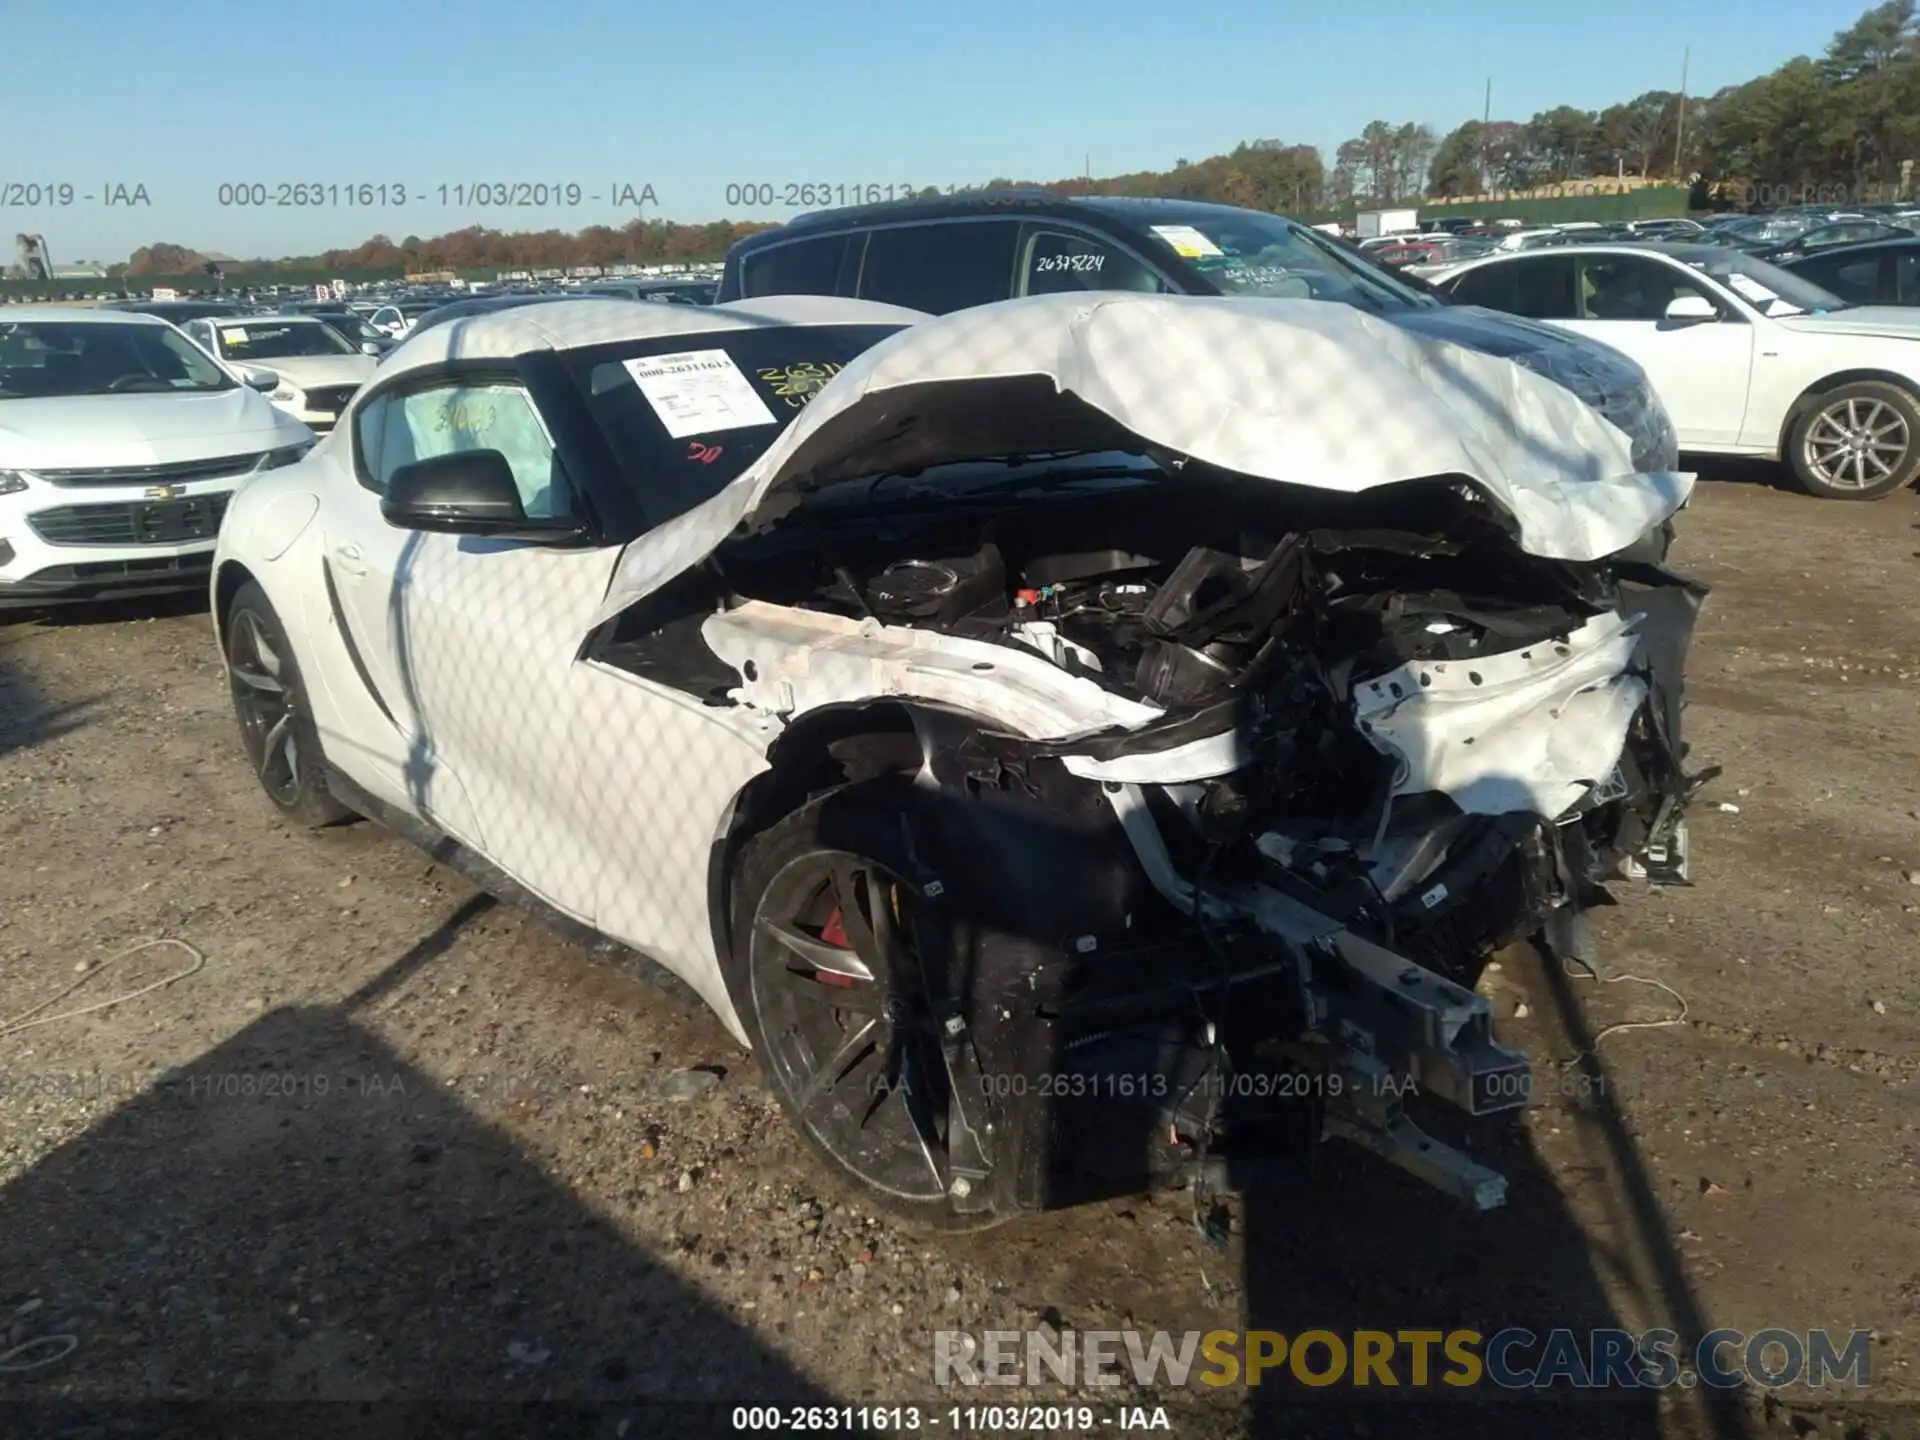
x: 1369, y: 223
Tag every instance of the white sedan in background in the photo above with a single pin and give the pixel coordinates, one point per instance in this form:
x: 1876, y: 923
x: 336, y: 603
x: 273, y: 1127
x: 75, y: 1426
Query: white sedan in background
x: 120, y: 446
x: 319, y: 369
x: 1748, y: 358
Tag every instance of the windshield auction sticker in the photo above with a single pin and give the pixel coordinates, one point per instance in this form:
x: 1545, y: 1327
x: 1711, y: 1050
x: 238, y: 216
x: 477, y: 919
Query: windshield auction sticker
x: 698, y: 391
x: 1187, y: 241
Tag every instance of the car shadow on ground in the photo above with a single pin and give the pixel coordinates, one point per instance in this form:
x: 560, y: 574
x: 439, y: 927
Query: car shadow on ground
x: 301, y: 1216
x: 116, y: 611
x: 26, y: 718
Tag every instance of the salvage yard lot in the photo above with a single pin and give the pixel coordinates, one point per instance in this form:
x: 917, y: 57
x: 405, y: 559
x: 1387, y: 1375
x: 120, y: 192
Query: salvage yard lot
x: 395, y: 1140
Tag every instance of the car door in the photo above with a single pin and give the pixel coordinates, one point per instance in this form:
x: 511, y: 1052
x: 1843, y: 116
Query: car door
x: 1701, y: 369
x: 474, y: 639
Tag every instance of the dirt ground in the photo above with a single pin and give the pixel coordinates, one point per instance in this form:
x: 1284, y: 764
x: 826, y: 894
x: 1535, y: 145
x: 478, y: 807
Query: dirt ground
x: 397, y: 1142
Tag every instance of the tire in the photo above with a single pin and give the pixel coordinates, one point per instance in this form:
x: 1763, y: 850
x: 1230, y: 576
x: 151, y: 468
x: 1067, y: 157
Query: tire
x: 803, y: 909
x: 1858, y: 441
x: 276, y: 725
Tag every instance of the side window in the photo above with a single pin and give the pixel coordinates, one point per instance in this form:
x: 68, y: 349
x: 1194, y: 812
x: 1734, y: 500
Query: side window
x: 1052, y: 261
x: 1855, y: 278
x: 1544, y: 288
x: 1906, y: 278
x: 369, y: 436
x: 1490, y: 285
x: 941, y: 267
x: 1631, y: 287
x: 806, y: 267
x: 397, y: 429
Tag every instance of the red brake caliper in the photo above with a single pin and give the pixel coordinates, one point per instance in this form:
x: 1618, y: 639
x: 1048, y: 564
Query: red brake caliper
x: 834, y: 932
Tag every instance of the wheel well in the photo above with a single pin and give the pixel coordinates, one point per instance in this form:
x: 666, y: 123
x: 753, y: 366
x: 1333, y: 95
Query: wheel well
x: 830, y: 747
x: 226, y: 585
x: 1814, y: 391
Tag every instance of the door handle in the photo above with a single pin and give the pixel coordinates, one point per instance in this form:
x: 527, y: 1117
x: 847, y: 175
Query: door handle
x: 349, y: 559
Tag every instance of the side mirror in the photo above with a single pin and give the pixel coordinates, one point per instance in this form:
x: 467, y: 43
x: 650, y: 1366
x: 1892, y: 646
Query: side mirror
x: 264, y: 381
x: 373, y: 347
x: 1691, y: 307
x: 470, y: 492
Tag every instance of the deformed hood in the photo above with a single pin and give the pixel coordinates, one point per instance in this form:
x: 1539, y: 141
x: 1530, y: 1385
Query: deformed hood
x: 1300, y: 392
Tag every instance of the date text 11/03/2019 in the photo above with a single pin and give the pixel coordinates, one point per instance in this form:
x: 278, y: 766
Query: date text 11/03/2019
x: 459, y: 195
x: 1568, y: 1085
x: 954, y: 1419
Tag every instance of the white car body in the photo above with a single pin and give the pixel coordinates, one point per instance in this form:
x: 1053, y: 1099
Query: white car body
x: 1734, y: 384
x: 313, y: 389
x: 459, y: 684
x: 92, y: 485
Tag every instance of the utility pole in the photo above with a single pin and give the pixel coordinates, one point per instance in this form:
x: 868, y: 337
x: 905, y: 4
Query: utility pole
x: 1680, y: 129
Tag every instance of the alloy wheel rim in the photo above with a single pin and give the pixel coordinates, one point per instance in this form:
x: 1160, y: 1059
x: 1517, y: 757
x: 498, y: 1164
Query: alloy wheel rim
x: 857, y: 1058
x: 267, y: 706
x: 1856, y: 443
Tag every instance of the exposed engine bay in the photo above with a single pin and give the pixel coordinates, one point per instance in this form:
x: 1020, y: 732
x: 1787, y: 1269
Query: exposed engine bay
x: 1374, y: 730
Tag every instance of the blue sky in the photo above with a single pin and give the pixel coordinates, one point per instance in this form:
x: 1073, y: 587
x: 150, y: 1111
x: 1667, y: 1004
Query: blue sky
x: 690, y: 97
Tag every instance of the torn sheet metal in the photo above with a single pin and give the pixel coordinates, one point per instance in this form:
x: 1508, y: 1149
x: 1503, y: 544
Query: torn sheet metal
x: 1533, y: 729
x: 1295, y: 391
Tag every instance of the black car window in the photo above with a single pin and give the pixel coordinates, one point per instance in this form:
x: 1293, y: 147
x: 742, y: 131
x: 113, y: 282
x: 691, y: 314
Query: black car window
x: 1544, y: 288
x: 1906, y: 278
x: 1632, y: 287
x: 941, y: 267
x: 1851, y: 277
x: 804, y: 267
x: 1052, y: 261
x: 1539, y: 288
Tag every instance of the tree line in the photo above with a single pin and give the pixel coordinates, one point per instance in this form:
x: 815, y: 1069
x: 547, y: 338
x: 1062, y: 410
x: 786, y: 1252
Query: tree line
x: 1844, y: 123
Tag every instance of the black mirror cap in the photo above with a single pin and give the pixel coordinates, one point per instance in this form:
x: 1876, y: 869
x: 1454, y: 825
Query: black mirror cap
x: 470, y: 492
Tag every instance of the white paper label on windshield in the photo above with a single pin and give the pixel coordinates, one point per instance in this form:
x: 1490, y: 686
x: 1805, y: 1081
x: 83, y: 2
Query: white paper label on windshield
x: 1750, y: 289
x: 234, y: 337
x: 698, y: 391
x: 1186, y: 241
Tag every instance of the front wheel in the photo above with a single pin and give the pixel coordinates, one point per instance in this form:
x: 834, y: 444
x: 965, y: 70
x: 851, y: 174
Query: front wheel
x: 829, y: 976
x: 1859, y: 441
x: 269, y: 701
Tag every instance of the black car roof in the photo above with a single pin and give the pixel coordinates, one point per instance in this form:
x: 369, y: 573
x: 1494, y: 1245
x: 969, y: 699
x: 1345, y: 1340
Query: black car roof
x: 1119, y: 212
x: 1891, y: 242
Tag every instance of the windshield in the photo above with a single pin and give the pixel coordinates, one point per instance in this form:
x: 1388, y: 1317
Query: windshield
x: 345, y: 322
x: 1769, y: 289
x: 277, y: 339
x: 687, y: 414
x: 1246, y: 252
x: 42, y: 360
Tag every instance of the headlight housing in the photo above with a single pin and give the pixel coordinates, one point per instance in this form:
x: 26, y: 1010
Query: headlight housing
x: 12, y: 482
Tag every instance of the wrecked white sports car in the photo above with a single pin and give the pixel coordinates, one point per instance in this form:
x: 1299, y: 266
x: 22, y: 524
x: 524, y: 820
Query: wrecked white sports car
x: 1077, y: 742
